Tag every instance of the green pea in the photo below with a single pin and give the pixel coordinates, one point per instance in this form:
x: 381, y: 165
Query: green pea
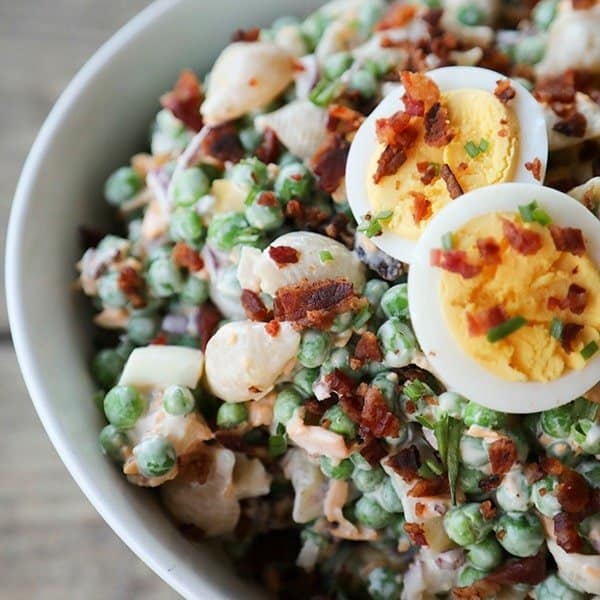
x: 339, y: 421
x: 543, y: 496
x: 465, y: 524
x: 452, y: 404
x: 304, y: 379
x: 337, y: 64
x: 122, y: 186
x: 312, y: 28
x: 471, y: 15
x: 189, y: 185
x: 394, y: 302
x: 250, y: 172
x: 155, y: 456
x: 530, y: 50
x: 336, y: 470
x: 398, y: 343
x: 195, y: 291
x: 475, y: 414
x: 388, y: 498
x: 159, y: 252
x: 186, y: 225
x: 514, y: 492
x: 250, y: 139
x: 338, y: 359
x: 370, y: 513
x: 294, y: 181
x: 544, y: 13
x: 169, y: 134
x: 141, y: 330
x: 554, y: 588
x: 164, y: 278
x: 473, y: 451
x: 387, y: 383
x: 468, y: 575
x: 264, y: 217
x: 384, y: 584
x: 486, y: 555
x: 231, y: 229
x: 106, y: 367
x: 113, y: 443
x: 591, y: 471
x: 314, y: 348
x: 519, y: 533
x: 368, y: 481
x: 231, y: 415
x: 178, y: 400
x: 557, y: 422
x: 468, y: 480
x: 364, y: 82
x: 342, y: 322
x: 123, y: 406
x: 286, y: 403
x: 109, y: 291
x: 562, y: 450
x: 587, y: 434
x: 374, y: 291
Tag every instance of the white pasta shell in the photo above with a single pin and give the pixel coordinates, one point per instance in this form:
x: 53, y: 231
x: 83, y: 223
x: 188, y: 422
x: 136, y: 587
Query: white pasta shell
x: 245, y: 77
x: 300, y: 125
x: 588, y: 193
x: 588, y: 108
x: 259, y: 272
x: 290, y: 39
x: 340, y: 36
x: 243, y: 361
x: 581, y: 571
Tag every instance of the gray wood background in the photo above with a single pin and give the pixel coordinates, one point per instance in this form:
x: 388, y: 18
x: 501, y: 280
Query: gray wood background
x: 53, y: 544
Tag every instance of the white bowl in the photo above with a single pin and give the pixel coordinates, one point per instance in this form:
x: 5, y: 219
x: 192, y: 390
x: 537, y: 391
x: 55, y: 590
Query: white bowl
x: 99, y: 121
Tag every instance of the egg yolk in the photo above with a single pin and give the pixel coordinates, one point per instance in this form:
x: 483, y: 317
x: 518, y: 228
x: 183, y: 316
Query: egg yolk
x: 483, y: 152
x: 534, y: 286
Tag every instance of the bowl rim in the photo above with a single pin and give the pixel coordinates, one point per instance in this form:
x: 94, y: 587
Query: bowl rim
x: 150, y: 551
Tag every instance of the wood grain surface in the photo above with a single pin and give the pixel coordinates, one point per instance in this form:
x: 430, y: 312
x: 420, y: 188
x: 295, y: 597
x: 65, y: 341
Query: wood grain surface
x: 53, y: 544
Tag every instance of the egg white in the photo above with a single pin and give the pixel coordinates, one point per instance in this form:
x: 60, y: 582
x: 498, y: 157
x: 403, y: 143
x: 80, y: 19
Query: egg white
x: 533, y: 143
x: 448, y: 360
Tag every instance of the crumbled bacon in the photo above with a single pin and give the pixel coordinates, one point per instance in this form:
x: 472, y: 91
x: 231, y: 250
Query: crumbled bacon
x: 389, y: 162
x: 583, y: 4
x: 206, y: 323
x: 416, y: 533
x: 480, y: 590
x: 246, y: 35
x: 185, y: 99
x: 573, y: 491
x: 161, y: 339
x: 342, y: 119
x: 267, y: 198
x: 421, y: 88
x: 186, y: 257
x: 454, y: 188
x: 570, y: 332
x: 337, y: 228
x: 131, y: 283
x: 489, y: 250
x: 269, y: 149
x: 329, y: 162
x: 552, y: 466
x: 557, y: 89
x: 406, y: 463
x: 530, y: 570
x: 568, y: 239
x: 284, y: 255
x: 421, y: 208
x: 272, y: 328
x: 232, y: 440
x: 523, y: 240
x: 566, y: 532
x: 438, y: 132
x: 388, y: 129
x: 425, y: 488
x: 488, y: 510
x: 489, y: 483
x: 481, y: 322
x: 455, y: 261
x: 376, y: 417
x: 254, y: 307
x: 504, y: 91
x: 428, y: 172
x: 317, y: 408
x: 535, y: 167
x: 372, y: 450
x: 397, y: 15
x: 305, y: 217
x: 340, y: 383
x: 367, y: 348
x: 503, y: 454
x: 575, y: 301
x: 412, y: 107
x: 572, y: 126
x: 222, y: 143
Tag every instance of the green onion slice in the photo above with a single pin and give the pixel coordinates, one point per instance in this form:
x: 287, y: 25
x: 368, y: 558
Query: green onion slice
x: 556, y: 328
x: 325, y: 256
x: 505, y: 329
x: 471, y: 149
x: 589, y: 350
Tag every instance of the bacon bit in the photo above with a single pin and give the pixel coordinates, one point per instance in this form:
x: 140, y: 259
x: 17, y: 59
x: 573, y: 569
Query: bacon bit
x: 406, y: 463
x: 454, y: 261
x: 481, y: 322
x: 432, y: 17
x: 438, y: 132
x: 524, y: 241
x: 340, y: 383
x: 272, y: 328
x: 232, y: 440
x: 186, y: 257
x: 583, y: 4
x: 338, y: 229
x: 531, y: 571
x: 489, y: 250
x: 270, y: 148
x: 131, y: 283
x: 367, y: 348
x: 416, y: 533
x: 487, y: 510
x: 573, y: 126
x: 504, y: 91
x: 428, y: 172
x: 535, y: 167
x: 305, y: 217
x: 246, y: 35
x: 480, y: 590
x: 463, y: 166
x: 489, y: 483
x: 185, y: 99
x: 420, y: 509
x: 410, y: 407
x: 267, y: 198
x: 452, y: 185
x: 206, y: 323
x: 503, y: 133
x: 284, y: 255
x: 373, y: 450
x: 317, y: 408
x: 254, y: 307
x: 568, y: 239
x: 552, y: 466
x: 329, y: 162
x: 421, y: 208
x: 352, y: 405
x: 387, y: 130
x: 533, y: 472
x: 573, y: 491
x: 376, y: 417
x: 343, y: 120
x: 557, y: 89
x: 503, y: 454
x: 389, y: 162
x: 223, y: 143
x: 565, y: 530
x: 397, y: 15
x: 161, y: 339
x: 569, y: 335
x: 575, y: 300
x: 425, y: 488
x: 412, y: 107
x: 420, y: 88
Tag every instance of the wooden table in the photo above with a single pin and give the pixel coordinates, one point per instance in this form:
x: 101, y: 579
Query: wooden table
x: 53, y: 544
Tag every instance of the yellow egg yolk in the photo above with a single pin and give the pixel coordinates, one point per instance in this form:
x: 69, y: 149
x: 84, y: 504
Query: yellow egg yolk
x: 521, y: 285
x: 477, y: 117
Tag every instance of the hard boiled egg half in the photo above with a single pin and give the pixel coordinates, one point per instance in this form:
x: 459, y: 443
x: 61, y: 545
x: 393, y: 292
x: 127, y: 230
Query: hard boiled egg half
x: 504, y: 297
x: 435, y: 136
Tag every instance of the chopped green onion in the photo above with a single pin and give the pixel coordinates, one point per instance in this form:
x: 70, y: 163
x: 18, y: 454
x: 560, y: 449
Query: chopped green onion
x: 435, y: 466
x: 448, y: 431
x: 371, y: 226
x: 424, y: 422
x: 532, y: 212
x: 542, y: 217
x: 324, y: 92
x: 471, y: 149
x: 277, y: 445
x: 325, y: 256
x: 447, y: 241
x: 589, y: 350
x: 505, y: 329
x: 483, y: 145
x: 383, y: 215
x: 556, y: 328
